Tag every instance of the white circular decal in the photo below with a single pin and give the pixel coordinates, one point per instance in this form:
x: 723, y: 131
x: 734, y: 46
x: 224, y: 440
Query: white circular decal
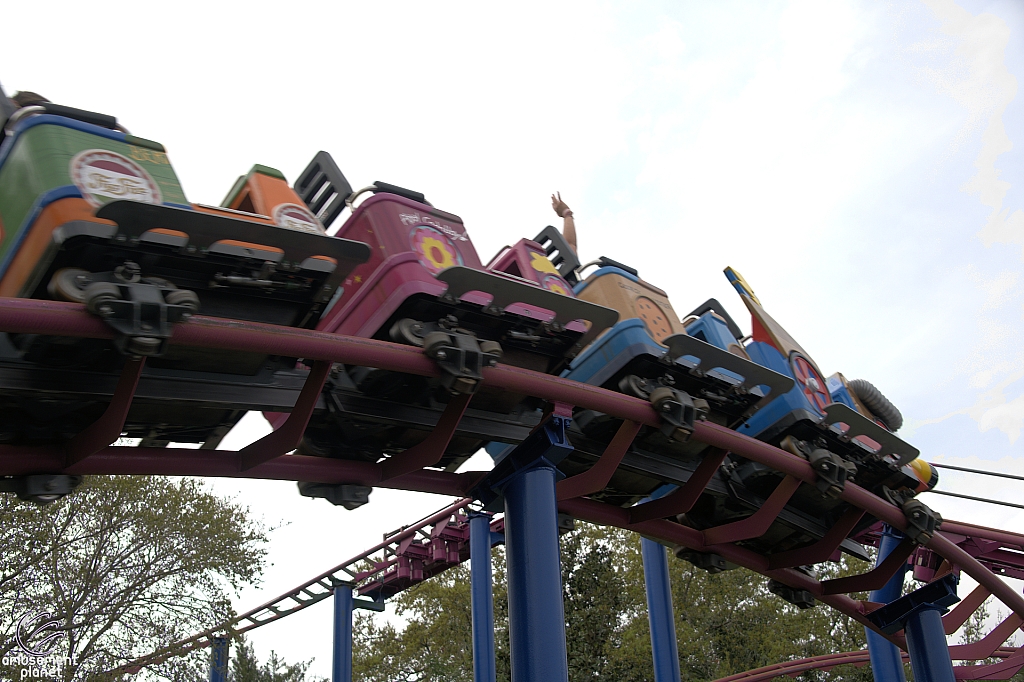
x: 296, y: 217
x: 103, y: 176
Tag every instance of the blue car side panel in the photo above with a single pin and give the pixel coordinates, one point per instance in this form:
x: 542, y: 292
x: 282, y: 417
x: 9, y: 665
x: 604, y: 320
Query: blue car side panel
x: 785, y: 409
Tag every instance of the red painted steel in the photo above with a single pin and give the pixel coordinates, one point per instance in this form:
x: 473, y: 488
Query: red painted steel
x: 956, y: 543
x: 755, y: 525
x: 286, y: 438
x: 683, y: 499
x: 596, y: 477
x: 1002, y: 670
x: 824, y: 548
x: 107, y: 428
x: 877, y: 577
x: 431, y: 449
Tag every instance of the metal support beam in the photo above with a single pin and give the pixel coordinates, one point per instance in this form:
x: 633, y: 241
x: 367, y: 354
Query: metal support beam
x: 926, y: 642
x: 536, y: 617
x: 343, y: 605
x: 660, y: 613
x: 219, y: 660
x: 886, y: 658
x: 483, y: 598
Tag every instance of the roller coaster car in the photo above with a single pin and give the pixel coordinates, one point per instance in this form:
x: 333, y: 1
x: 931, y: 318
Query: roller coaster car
x: 93, y: 215
x: 651, y: 358
x: 808, y: 419
x: 424, y: 285
x: 836, y: 432
x: 740, y: 487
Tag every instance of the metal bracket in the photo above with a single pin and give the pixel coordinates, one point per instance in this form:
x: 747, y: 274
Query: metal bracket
x: 40, y: 488
x: 134, y: 219
x: 859, y: 425
x: 460, y: 359
x: 677, y: 411
x: 746, y: 376
x: 833, y: 471
x: 802, y: 599
x: 547, y: 445
x: 142, y: 318
x: 922, y: 522
x: 938, y: 595
x: 709, y: 561
x: 340, y: 495
x: 369, y: 604
x: 505, y: 291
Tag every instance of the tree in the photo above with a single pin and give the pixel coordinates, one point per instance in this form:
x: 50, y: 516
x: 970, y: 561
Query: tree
x: 123, y: 565
x: 246, y: 667
x: 725, y: 623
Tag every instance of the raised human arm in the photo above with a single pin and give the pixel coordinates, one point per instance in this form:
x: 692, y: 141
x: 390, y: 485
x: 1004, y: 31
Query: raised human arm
x: 565, y: 213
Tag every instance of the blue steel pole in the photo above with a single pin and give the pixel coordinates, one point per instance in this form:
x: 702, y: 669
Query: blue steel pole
x: 926, y: 642
x: 886, y: 658
x: 659, y: 611
x: 483, y: 598
x: 535, y: 613
x: 219, y: 660
x: 343, y: 604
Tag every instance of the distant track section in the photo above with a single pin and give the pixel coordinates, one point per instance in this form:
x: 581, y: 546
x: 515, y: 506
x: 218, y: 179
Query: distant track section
x: 406, y: 557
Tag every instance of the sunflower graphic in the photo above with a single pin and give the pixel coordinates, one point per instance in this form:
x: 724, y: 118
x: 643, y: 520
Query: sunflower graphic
x: 434, y: 249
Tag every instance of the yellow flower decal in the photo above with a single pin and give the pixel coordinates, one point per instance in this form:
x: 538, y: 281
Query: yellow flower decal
x: 434, y: 250
x: 541, y: 263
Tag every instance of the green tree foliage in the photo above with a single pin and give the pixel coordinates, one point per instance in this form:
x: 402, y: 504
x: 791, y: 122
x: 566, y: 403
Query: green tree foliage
x: 726, y: 623
x: 124, y: 565
x: 245, y: 667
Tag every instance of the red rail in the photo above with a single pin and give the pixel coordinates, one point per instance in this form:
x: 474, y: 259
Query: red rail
x: 1013, y: 660
x: 267, y: 458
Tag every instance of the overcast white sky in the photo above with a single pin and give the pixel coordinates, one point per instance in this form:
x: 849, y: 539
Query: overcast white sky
x: 860, y: 163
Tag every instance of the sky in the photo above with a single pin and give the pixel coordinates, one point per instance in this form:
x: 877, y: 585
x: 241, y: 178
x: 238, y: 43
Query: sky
x: 860, y: 163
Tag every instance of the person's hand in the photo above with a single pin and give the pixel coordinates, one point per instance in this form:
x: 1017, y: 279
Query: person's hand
x: 560, y: 206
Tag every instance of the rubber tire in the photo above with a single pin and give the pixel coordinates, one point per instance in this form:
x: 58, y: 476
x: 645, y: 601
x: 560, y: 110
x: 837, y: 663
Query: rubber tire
x: 98, y: 293
x: 877, y: 403
x: 660, y: 395
x: 183, y: 297
x: 435, y: 341
x: 63, y: 287
x: 402, y: 332
x: 491, y: 348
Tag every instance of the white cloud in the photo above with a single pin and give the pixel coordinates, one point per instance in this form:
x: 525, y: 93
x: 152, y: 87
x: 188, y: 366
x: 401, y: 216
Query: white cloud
x: 980, y: 80
x: 1008, y: 418
x: 999, y: 290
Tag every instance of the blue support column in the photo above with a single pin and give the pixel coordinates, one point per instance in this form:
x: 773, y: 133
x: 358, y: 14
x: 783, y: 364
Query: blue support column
x: 926, y: 642
x: 343, y: 605
x: 483, y: 598
x: 886, y: 658
x: 525, y: 477
x: 660, y: 613
x: 219, y: 660
x: 536, y: 616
